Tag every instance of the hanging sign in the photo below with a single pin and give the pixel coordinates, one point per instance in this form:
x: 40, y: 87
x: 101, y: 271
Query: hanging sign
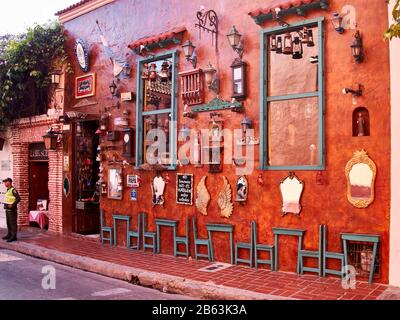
x: 184, y: 189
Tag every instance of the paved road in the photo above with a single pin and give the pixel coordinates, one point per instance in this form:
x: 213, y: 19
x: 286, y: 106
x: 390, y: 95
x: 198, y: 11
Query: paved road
x: 23, y: 277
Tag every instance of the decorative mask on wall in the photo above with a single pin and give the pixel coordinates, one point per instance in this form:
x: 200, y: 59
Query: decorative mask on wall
x: 158, y: 188
x: 360, y: 173
x: 203, y: 197
x: 291, y: 190
x: 225, y: 200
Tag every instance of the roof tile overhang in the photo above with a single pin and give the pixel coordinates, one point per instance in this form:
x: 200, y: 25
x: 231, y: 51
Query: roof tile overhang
x: 287, y: 7
x: 80, y: 8
x: 159, y: 41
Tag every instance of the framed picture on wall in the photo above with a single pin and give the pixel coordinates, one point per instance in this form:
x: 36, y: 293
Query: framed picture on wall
x: 132, y: 181
x: 85, y: 86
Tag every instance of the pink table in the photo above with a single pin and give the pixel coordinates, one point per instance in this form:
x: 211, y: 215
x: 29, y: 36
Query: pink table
x: 41, y: 217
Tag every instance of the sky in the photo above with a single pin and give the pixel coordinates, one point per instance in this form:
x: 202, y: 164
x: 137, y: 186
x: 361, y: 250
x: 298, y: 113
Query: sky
x: 17, y: 15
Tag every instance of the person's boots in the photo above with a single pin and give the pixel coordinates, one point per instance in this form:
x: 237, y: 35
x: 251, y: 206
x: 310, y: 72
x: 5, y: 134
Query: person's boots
x: 12, y: 239
x: 6, y: 237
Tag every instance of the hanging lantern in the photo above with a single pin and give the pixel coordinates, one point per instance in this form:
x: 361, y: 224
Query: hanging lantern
x: 357, y: 48
x: 164, y: 73
x: 273, y: 43
x: 310, y: 38
x: 304, y: 36
x: 287, y: 44
x: 50, y: 140
x: 153, y: 72
x: 279, y: 45
x: 297, y: 49
x: 337, y: 22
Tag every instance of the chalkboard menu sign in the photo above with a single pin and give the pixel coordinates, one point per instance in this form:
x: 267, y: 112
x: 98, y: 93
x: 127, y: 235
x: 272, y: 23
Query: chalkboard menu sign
x: 184, y: 189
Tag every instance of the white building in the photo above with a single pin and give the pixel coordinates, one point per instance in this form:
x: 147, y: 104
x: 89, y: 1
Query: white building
x: 5, y: 172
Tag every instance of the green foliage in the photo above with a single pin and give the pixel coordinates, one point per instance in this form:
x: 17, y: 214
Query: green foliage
x: 26, y: 62
x: 394, y: 29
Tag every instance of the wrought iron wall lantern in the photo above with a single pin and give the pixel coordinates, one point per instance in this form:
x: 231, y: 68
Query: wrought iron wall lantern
x: 293, y: 45
x: 287, y: 44
x: 337, y: 22
x: 113, y: 89
x: 189, y: 52
x: 56, y: 78
x: 357, y: 48
x: 297, y: 49
x: 355, y: 93
x: 52, y: 139
x: 235, y: 38
x: 212, y: 79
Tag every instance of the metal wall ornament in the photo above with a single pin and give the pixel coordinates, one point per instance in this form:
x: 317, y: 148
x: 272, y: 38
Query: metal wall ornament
x: 203, y: 197
x: 360, y: 173
x: 291, y: 190
x: 158, y: 188
x: 208, y: 21
x: 225, y: 199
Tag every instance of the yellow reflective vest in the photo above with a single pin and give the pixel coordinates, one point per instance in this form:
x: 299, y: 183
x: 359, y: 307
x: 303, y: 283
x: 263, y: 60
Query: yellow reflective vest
x: 9, y: 197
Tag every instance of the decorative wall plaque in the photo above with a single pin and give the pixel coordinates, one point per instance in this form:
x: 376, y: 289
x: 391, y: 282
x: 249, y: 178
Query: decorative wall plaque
x: 82, y: 55
x: 225, y: 200
x: 184, y: 189
x: 203, y: 196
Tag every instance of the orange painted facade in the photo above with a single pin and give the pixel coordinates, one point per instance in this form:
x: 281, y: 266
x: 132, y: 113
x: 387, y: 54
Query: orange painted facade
x: 126, y: 21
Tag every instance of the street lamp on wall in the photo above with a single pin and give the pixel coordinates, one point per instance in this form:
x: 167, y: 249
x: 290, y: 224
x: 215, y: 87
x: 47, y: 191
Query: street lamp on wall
x: 234, y: 38
x: 337, y: 22
x: 56, y: 77
x: 52, y: 139
x: 188, y: 51
x: 357, y: 48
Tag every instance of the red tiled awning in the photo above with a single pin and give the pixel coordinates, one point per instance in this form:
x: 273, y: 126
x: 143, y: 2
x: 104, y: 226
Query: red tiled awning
x: 288, y: 6
x: 173, y: 35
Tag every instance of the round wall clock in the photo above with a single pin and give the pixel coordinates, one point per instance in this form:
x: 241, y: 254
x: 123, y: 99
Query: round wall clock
x: 82, y: 55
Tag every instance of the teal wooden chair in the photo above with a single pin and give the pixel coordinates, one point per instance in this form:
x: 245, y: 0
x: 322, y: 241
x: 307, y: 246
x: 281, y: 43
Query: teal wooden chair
x: 200, y: 242
x: 105, y: 229
x: 313, y: 254
x: 135, y: 234
x: 258, y: 247
x: 246, y: 246
x: 182, y: 240
x: 148, y: 235
x: 331, y: 255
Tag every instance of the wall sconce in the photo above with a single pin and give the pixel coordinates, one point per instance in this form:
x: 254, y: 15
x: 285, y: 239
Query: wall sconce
x: 188, y: 51
x: 355, y: 93
x: 113, y: 89
x: 52, y: 139
x: 357, y: 48
x: 212, y: 80
x: 234, y: 38
x: 337, y: 22
x: 56, y: 77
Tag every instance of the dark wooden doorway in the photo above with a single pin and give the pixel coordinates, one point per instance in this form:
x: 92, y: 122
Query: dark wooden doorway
x: 38, y: 182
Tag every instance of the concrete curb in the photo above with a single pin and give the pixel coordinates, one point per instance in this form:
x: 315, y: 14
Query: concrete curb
x: 163, y: 282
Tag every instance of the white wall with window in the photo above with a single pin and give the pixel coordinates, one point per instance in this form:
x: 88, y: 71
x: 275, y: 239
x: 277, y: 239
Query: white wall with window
x: 5, y: 172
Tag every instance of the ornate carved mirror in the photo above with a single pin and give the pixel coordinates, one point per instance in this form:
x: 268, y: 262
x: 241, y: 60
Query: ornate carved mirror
x: 291, y: 191
x: 360, y: 173
x: 158, y: 188
x: 242, y: 188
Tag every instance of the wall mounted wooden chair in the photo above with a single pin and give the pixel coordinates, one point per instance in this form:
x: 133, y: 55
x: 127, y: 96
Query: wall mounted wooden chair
x: 246, y: 246
x: 313, y: 254
x: 263, y: 248
x: 105, y: 229
x: 183, y: 240
x: 148, y: 235
x: 200, y: 242
x: 331, y: 255
x: 135, y: 234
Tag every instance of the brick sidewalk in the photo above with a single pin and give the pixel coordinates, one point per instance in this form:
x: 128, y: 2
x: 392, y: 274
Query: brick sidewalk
x: 282, y: 284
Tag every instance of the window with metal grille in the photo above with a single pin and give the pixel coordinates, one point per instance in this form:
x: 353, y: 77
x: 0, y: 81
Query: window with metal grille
x: 360, y: 257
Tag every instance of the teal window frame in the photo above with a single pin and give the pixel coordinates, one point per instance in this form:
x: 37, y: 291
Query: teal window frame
x: 265, y: 99
x: 140, y: 114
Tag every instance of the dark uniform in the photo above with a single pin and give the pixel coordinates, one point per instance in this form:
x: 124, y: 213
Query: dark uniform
x: 12, y: 199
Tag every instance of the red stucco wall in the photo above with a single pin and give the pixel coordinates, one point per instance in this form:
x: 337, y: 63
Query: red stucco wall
x: 126, y: 21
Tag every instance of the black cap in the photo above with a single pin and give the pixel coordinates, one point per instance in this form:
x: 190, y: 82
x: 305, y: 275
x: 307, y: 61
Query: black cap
x: 8, y: 179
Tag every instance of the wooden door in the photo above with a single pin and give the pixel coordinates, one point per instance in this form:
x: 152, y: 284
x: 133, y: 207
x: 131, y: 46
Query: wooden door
x: 38, y: 183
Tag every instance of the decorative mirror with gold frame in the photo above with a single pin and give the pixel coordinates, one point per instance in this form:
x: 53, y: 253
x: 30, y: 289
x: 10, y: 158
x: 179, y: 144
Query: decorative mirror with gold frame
x: 115, y: 183
x: 291, y: 191
x: 360, y: 173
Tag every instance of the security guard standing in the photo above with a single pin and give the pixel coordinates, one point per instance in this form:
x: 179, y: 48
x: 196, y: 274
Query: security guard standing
x: 11, y: 200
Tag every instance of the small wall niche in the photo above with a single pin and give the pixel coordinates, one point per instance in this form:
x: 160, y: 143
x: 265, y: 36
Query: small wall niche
x: 361, y: 122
